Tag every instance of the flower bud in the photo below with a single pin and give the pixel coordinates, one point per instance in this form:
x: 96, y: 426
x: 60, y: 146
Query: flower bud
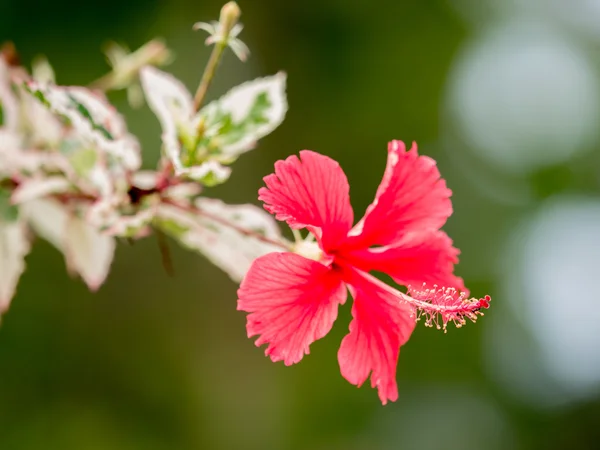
x: 155, y: 53
x: 230, y: 14
x: 9, y: 54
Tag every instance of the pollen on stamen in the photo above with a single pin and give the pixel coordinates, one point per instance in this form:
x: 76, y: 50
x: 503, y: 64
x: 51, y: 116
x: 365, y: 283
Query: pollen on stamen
x: 441, y: 306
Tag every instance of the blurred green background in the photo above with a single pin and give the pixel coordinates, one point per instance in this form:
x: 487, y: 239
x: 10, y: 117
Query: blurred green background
x: 503, y: 94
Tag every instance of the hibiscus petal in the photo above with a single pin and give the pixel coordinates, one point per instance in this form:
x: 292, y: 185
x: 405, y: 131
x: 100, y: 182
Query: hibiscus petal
x: 411, y: 197
x: 418, y: 258
x: 311, y: 191
x: 293, y: 302
x: 380, y: 326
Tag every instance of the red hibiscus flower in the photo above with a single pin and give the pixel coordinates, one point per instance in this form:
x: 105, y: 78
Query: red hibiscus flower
x: 293, y: 297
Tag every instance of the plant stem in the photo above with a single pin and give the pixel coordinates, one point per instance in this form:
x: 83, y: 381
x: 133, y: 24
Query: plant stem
x: 165, y: 253
x: 230, y: 14
x: 209, y: 73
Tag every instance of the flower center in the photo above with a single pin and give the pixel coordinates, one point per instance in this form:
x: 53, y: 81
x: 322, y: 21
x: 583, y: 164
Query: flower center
x: 309, y: 249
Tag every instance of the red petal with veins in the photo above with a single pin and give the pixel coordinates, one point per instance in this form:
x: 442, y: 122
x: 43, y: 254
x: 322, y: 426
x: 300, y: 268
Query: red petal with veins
x: 311, y: 191
x: 419, y: 258
x: 292, y: 301
x: 411, y: 198
x: 380, y: 326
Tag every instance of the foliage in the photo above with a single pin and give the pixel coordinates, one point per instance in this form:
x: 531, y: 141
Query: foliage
x: 70, y: 172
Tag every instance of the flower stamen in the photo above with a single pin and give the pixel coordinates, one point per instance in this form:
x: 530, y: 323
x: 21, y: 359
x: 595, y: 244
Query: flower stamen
x: 439, y: 306
x: 443, y: 305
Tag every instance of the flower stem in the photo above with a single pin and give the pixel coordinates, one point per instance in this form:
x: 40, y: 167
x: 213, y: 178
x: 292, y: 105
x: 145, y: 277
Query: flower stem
x: 230, y: 14
x: 209, y: 73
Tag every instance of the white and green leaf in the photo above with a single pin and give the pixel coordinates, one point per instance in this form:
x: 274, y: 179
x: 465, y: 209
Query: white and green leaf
x: 216, y: 231
x: 33, y: 188
x: 200, y: 145
x: 209, y: 173
x: 14, y: 246
x: 48, y: 219
x: 9, y: 212
x: 93, y: 119
x: 172, y: 104
x: 9, y: 107
x: 88, y: 252
x: 244, y: 115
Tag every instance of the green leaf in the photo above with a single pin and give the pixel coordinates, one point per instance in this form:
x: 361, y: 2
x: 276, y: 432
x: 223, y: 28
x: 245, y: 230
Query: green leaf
x: 83, y: 160
x: 86, y: 113
x: 231, y: 132
x: 171, y: 227
x: 66, y: 106
x: 222, y: 130
x: 8, y: 211
x: 259, y: 108
x: 210, y: 179
x: 243, y: 116
x: 39, y: 95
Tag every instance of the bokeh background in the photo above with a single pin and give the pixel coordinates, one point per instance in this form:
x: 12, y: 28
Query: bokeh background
x: 505, y: 94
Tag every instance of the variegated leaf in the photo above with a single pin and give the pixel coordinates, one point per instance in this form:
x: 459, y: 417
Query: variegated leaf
x: 93, y: 119
x: 14, y: 246
x: 9, y: 107
x: 40, y: 187
x: 228, y: 246
x: 88, y: 252
x: 199, y: 145
x: 245, y: 114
